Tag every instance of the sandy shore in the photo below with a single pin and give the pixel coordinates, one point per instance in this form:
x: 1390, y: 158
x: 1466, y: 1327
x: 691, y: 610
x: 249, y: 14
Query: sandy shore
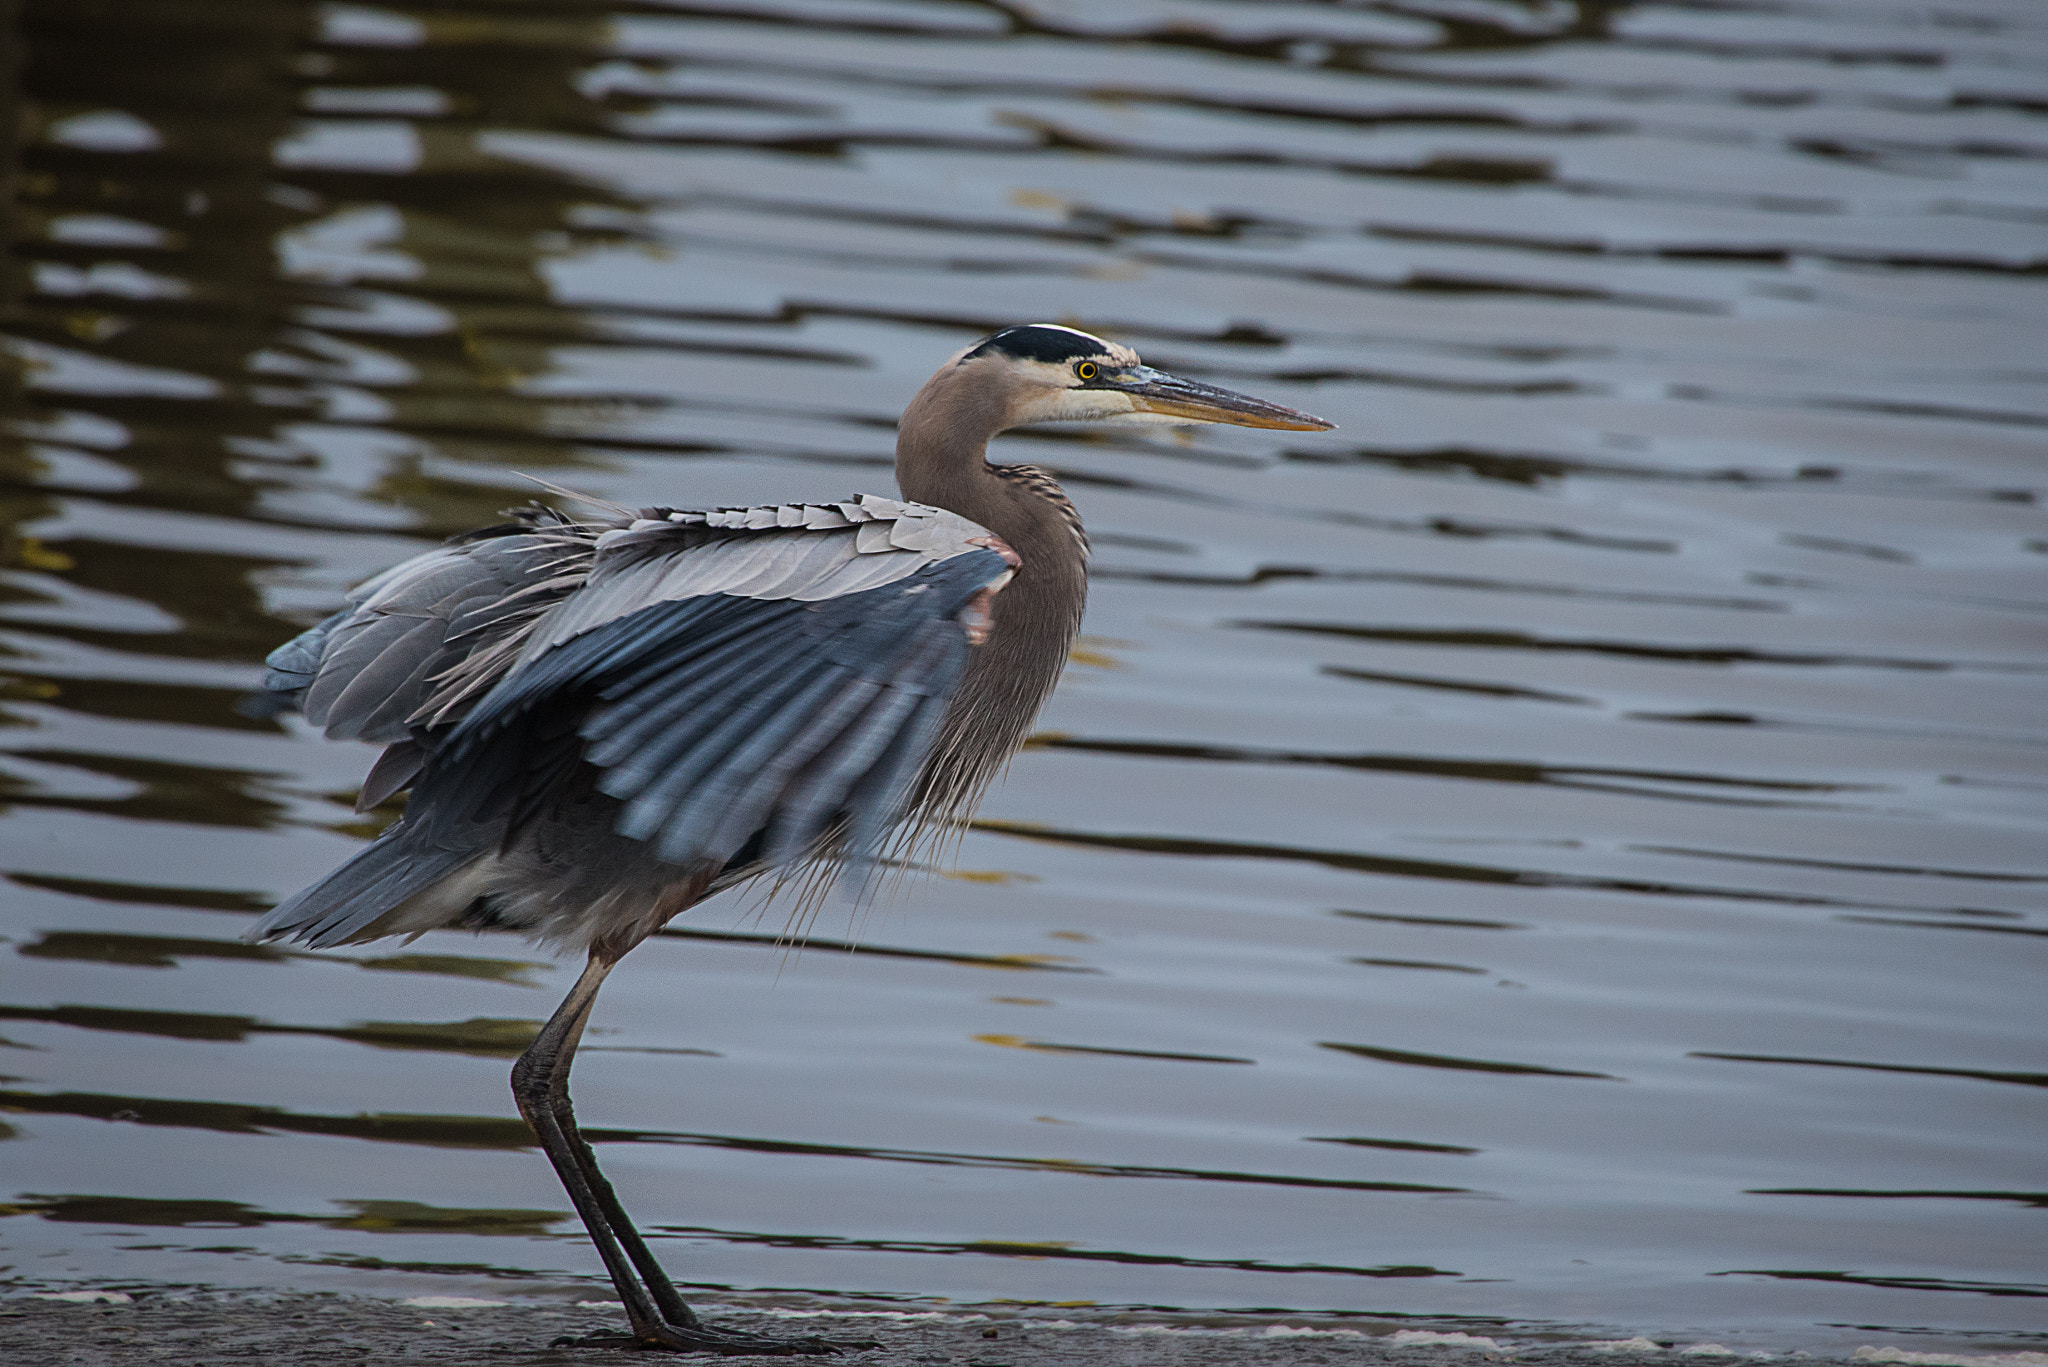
x: 211, y: 1329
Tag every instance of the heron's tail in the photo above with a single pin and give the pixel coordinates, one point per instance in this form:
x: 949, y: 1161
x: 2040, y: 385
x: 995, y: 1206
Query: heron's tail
x: 398, y: 884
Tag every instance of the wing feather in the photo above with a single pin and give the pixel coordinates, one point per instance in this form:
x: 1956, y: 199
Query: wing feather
x: 422, y: 579
x: 881, y: 793
x: 363, y: 644
x: 365, y: 672
x: 860, y: 575
x: 293, y: 666
x: 799, y: 566
x: 371, y: 673
x: 394, y: 770
x: 826, y: 786
x: 719, y: 723
x: 716, y: 720
x: 639, y: 757
x: 796, y: 830
x: 730, y: 672
x: 762, y: 733
x: 712, y: 818
x: 747, y: 552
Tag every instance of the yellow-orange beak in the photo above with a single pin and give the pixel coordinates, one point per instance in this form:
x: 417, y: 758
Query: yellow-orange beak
x: 1155, y: 391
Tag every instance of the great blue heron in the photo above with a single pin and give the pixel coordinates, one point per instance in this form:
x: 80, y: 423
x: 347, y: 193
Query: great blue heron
x: 602, y: 722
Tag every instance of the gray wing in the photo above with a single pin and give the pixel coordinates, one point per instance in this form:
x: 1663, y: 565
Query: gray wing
x: 364, y: 672
x: 731, y: 729
x: 751, y: 686
x: 368, y: 671
x: 422, y: 641
x: 805, y: 552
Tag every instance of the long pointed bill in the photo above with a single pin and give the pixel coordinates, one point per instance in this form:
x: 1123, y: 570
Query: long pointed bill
x: 1155, y: 391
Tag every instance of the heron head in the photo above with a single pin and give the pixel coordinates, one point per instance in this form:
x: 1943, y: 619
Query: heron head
x: 1051, y: 373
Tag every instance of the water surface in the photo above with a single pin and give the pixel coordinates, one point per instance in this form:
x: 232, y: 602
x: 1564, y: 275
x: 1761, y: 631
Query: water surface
x: 1559, y: 855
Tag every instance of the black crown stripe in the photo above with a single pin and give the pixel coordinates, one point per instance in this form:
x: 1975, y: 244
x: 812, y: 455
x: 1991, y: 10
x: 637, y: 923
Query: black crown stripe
x: 1036, y: 342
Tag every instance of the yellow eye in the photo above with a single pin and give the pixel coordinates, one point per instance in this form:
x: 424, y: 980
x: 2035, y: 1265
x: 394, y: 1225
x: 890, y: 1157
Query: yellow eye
x: 1086, y: 370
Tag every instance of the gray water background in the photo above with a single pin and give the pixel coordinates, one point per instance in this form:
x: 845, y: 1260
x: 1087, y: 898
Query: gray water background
x: 1560, y: 854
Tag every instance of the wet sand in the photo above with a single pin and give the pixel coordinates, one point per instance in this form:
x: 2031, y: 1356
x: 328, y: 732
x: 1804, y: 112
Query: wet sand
x: 199, y: 1330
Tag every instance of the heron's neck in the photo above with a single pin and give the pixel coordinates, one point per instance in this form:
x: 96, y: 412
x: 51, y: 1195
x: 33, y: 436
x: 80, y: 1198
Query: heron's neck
x: 942, y: 457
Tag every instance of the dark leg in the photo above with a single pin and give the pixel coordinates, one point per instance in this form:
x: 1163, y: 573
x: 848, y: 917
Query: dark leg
x: 659, y: 1316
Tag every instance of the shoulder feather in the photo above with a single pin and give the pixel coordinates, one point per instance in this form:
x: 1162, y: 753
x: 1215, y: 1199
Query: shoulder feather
x: 804, y: 552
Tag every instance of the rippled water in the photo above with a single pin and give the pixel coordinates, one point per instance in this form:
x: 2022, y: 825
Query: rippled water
x: 1562, y: 850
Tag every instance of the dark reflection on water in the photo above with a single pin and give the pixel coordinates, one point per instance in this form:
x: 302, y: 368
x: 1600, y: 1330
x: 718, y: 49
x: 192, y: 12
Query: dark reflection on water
x: 455, y: 1131
x: 1901, y: 1283
x: 484, y: 1132
x: 1473, y: 1065
x: 996, y: 1248
x: 478, y: 1035
x: 165, y: 951
x: 1634, y: 781
x: 1943, y: 925
x: 382, y: 1217
x: 1670, y: 599
x: 1438, y: 869
x: 1419, y: 963
x: 1712, y: 655
x: 1984, y: 1075
x: 1038, y: 963
x: 1047, y: 1047
x: 1413, y: 1145
x: 144, y: 951
x: 2029, y: 1198
x: 143, y: 894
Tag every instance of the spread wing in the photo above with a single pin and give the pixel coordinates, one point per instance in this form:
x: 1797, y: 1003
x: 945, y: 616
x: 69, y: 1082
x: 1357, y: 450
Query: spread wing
x: 730, y: 727
x: 370, y: 671
x: 747, y: 684
x: 738, y: 674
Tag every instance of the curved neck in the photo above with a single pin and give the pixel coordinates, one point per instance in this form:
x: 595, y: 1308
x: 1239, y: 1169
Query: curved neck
x: 942, y: 459
x: 942, y: 449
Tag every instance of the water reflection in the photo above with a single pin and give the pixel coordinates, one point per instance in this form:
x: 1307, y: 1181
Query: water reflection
x: 1680, y: 549
x: 144, y: 894
x: 478, y: 1035
x: 484, y: 1132
x: 143, y: 951
x: 1411, y: 1145
x: 166, y: 951
x: 1000, y: 1248
x: 1711, y: 655
x: 1472, y: 1065
x: 381, y: 1217
x: 1984, y: 1075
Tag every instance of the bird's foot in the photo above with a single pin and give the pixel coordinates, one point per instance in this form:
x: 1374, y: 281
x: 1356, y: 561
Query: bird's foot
x: 722, y: 1342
